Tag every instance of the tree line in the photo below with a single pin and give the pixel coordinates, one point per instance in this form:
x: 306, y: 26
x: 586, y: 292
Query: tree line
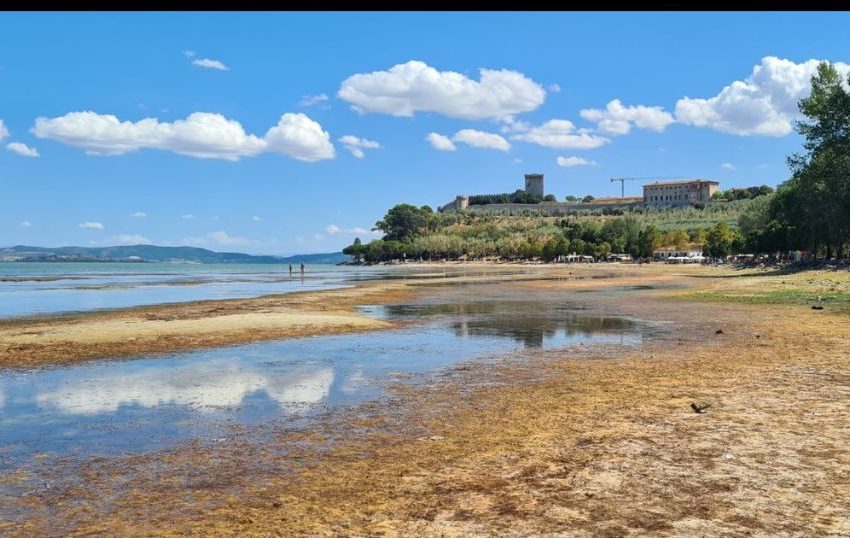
x: 412, y: 233
x: 811, y: 211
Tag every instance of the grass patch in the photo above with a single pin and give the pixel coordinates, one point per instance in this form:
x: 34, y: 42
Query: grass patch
x: 786, y: 296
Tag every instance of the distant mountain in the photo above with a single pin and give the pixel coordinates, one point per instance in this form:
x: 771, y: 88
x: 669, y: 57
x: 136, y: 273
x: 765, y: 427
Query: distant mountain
x: 152, y: 253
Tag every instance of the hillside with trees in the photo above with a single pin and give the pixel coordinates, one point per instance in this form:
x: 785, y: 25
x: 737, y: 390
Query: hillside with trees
x: 809, y: 212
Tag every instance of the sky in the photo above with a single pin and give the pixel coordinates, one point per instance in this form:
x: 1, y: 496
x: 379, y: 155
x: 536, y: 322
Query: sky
x: 284, y: 133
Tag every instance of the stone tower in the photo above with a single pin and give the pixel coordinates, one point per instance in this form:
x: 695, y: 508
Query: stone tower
x: 534, y: 184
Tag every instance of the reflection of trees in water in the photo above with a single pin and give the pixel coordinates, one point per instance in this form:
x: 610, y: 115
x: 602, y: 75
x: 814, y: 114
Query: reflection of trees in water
x: 527, y: 322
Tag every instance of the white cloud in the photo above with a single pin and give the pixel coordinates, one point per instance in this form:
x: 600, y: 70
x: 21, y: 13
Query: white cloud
x: 25, y: 223
x: 22, y: 149
x: 210, y: 64
x: 728, y: 166
x: 764, y: 103
x: 574, y: 161
x: 617, y: 119
x: 517, y: 161
x: 131, y: 239
x: 561, y: 134
x: 512, y: 125
x: 139, y: 215
x: 318, y: 237
x: 554, y: 88
x: 203, y: 135
x: 220, y: 238
x: 301, y: 138
x: 189, y: 53
x: 310, y: 100
x: 256, y: 218
x: 415, y: 86
x: 333, y: 229
x: 4, y: 132
x: 356, y: 145
x: 440, y: 142
x: 92, y: 225
x: 187, y: 216
x: 480, y: 139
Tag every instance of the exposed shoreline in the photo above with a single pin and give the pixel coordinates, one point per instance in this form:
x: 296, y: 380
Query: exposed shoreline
x: 588, y: 440
x: 43, y: 340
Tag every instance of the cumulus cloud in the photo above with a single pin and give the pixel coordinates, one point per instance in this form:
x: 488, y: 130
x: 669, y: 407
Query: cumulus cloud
x: 207, y: 63
x: 415, y: 86
x: 25, y: 224
x: 139, y: 215
x: 440, y: 142
x: 764, y: 103
x: 220, y: 238
x: 92, y: 225
x: 480, y: 139
x: 22, y: 149
x: 131, y: 239
x: 356, y: 145
x: 203, y: 135
x: 617, y: 119
x: 728, y: 166
x: 333, y: 229
x: 301, y: 138
x: 4, y: 132
x: 574, y: 161
x: 310, y: 100
x: 561, y: 134
x: 512, y: 125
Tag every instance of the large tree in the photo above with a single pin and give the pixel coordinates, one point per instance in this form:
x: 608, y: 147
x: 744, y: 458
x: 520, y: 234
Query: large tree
x: 817, y: 201
x: 404, y: 222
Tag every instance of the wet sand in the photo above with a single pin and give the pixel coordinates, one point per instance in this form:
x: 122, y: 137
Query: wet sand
x: 583, y: 441
x: 69, y: 338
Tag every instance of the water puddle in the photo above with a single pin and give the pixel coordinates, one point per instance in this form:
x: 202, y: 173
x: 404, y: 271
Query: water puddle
x: 117, y: 407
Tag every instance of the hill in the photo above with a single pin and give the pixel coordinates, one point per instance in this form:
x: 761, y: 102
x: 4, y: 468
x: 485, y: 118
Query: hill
x: 152, y: 253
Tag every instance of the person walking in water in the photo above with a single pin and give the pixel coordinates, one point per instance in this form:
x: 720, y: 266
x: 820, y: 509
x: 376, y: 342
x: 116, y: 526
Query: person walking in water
x: 290, y: 269
x: 302, y: 268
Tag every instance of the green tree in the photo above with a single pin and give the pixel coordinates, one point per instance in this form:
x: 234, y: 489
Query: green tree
x: 650, y: 241
x: 404, y: 222
x: 815, y: 207
x: 355, y: 250
x: 719, y: 240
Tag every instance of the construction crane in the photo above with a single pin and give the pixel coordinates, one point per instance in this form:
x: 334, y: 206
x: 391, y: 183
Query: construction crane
x: 623, y: 180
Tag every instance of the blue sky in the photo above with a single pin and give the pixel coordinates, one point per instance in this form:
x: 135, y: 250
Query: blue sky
x: 284, y: 133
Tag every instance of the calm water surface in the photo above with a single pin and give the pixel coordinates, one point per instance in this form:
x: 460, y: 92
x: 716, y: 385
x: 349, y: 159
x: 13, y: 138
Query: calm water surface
x: 116, y: 407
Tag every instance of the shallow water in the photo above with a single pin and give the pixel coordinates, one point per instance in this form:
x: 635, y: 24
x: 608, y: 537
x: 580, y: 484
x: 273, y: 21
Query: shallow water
x: 115, y: 407
x: 49, y: 288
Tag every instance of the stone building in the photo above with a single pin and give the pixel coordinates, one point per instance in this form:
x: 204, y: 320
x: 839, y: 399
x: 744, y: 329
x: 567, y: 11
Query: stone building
x: 679, y: 193
x: 534, y: 185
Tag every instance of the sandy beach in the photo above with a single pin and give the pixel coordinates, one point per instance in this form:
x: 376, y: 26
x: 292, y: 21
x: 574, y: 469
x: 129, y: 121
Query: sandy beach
x: 579, y: 441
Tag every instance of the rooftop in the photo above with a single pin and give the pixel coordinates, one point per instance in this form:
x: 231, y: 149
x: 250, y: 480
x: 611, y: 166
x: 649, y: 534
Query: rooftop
x: 682, y: 182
